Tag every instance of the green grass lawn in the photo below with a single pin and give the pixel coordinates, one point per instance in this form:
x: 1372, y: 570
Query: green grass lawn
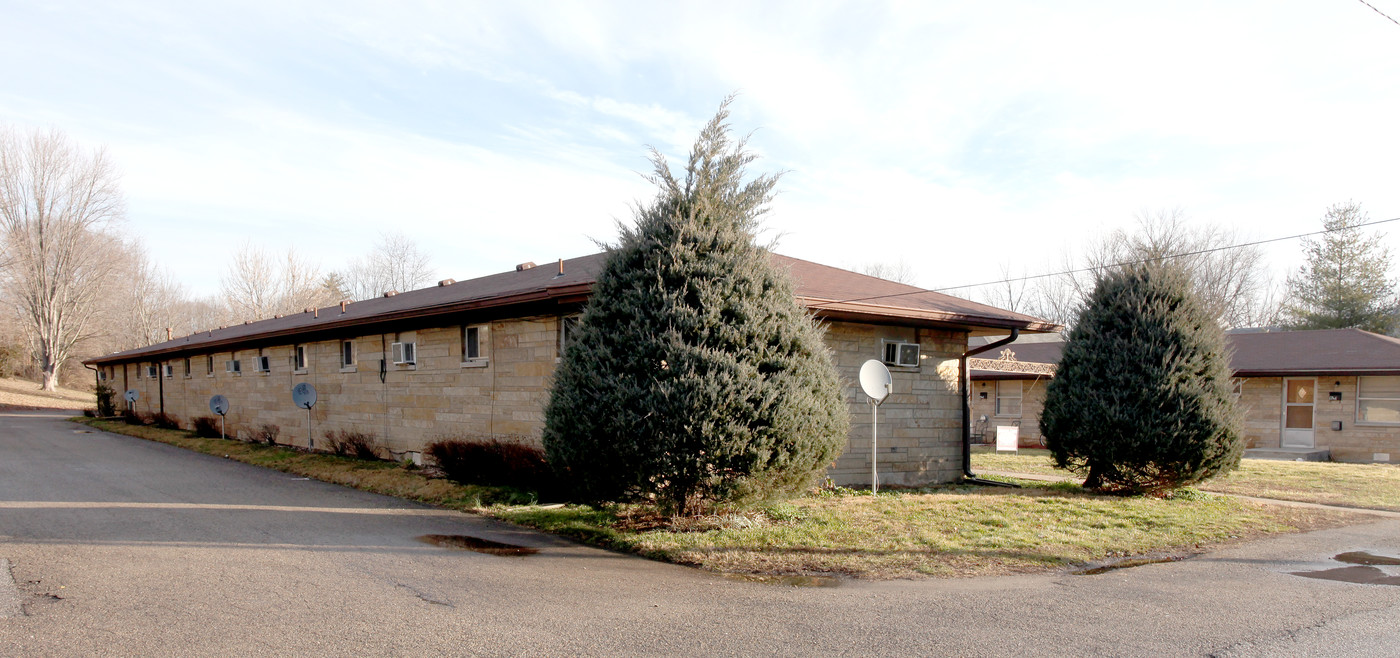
x: 945, y: 531
x: 1368, y: 486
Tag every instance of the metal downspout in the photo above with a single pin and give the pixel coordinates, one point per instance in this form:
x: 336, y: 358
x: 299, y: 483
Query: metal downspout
x: 968, y: 475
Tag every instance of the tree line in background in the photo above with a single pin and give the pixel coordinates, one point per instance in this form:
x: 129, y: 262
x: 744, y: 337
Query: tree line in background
x: 1344, y: 283
x: 76, y: 285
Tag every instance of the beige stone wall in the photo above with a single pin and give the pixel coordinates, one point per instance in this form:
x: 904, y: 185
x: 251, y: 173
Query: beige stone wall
x: 500, y: 394
x: 505, y: 393
x: 920, y: 424
x: 1032, y: 403
x: 1262, y: 401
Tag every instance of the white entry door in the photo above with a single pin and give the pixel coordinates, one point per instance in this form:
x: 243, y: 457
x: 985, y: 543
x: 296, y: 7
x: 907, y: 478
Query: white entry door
x: 1298, y: 413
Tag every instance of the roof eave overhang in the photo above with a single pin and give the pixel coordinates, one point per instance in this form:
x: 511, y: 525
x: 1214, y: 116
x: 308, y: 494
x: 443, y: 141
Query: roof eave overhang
x: 853, y: 312
x: 1327, y: 372
x: 578, y: 293
x: 561, y: 295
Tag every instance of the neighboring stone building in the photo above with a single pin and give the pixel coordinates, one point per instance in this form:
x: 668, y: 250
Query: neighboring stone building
x: 1333, y: 392
x: 1008, y: 387
x: 474, y: 359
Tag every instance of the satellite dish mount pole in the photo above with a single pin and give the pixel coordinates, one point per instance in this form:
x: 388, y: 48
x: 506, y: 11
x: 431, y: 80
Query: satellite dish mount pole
x: 876, y: 382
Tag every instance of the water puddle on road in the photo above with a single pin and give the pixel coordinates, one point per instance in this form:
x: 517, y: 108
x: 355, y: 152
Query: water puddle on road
x: 1366, y: 573
x: 788, y: 581
x: 477, y: 544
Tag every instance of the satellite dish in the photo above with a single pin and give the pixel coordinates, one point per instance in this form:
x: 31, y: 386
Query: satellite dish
x: 219, y: 405
x: 304, y: 395
x: 875, y: 380
x: 132, y: 395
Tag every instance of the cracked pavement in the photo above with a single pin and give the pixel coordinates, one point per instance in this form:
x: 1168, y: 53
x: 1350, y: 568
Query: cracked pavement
x: 119, y: 546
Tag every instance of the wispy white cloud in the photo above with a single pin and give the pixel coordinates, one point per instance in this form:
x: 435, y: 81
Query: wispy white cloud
x: 950, y: 136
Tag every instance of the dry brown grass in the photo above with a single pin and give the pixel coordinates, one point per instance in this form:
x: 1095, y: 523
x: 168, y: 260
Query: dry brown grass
x: 24, y: 394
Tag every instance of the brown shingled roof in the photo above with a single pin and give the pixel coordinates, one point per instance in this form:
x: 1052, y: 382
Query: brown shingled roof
x: 1268, y: 354
x: 822, y: 288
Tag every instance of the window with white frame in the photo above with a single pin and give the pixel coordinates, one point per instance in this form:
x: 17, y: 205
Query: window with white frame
x: 1378, y: 400
x: 568, y: 331
x: 1236, y: 388
x: 1008, y: 398
x: 299, y: 357
x: 403, y: 353
x: 168, y: 370
x: 473, y: 338
x: 347, y: 353
x: 151, y: 371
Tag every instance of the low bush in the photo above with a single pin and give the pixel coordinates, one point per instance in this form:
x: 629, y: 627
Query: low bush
x: 164, y: 421
x: 133, y: 417
x: 206, y: 426
x: 492, y: 462
x: 90, y: 413
x: 105, y: 405
x: 266, y: 433
x: 353, y: 443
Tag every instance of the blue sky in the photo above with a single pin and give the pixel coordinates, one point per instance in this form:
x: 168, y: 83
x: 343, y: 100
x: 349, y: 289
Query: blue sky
x: 954, y: 137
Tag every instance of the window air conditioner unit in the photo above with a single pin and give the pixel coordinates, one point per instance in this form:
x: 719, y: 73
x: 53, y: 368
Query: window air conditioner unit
x: 902, y: 354
x: 402, y: 353
x: 233, y: 366
x: 262, y: 364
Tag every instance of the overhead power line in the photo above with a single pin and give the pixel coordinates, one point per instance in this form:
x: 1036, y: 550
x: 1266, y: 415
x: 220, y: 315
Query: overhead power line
x: 1373, y: 8
x: 1100, y: 267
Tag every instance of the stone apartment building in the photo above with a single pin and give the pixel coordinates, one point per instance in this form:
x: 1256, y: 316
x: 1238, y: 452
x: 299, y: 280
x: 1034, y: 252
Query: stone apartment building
x: 1309, y: 393
x: 474, y: 359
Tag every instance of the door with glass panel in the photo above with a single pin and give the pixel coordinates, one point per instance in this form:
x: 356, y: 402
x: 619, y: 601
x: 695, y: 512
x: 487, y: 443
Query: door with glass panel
x: 1298, y: 413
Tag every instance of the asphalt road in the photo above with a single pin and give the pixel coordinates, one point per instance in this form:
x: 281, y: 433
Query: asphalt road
x: 118, y: 546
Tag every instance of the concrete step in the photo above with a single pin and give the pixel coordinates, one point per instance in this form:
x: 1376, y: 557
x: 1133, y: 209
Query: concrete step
x: 1290, y: 454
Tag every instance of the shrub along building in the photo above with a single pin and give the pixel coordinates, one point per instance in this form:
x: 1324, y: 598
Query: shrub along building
x: 1305, y: 394
x: 474, y: 359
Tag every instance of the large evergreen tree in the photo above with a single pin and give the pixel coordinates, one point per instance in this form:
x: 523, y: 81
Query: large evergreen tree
x: 1345, y: 282
x: 694, y: 378
x: 1141, y: 399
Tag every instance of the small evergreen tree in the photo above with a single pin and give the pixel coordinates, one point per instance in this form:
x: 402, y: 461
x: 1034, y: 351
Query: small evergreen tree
x: 694, y: 378
x: 1141, y: 400
x: 1345, y: 282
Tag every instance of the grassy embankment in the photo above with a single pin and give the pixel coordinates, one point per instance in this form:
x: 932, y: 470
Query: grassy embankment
x: 1366, y: 486
x: 945, y: 531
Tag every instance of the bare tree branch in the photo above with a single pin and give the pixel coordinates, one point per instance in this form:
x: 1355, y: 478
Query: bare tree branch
x: 57, y: 204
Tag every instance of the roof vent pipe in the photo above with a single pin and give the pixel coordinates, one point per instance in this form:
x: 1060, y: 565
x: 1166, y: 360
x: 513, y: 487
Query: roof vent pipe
x: 342, y: 306
x: 561, y: 269
x: 169, y: 333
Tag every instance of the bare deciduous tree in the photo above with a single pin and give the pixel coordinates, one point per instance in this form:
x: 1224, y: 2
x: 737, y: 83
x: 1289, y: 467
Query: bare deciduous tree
x: 396, y: 263
x: 259, y: 285
x: 148, y: 301
x: 57, y: 203
x: 899, y: 272
x: 1232, y: 282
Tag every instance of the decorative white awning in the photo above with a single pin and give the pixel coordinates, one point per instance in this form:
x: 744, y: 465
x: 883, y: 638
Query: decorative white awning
x: 1007, y: 363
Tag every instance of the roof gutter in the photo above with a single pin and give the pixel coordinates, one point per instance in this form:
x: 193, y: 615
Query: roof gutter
x: 968, y: 475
